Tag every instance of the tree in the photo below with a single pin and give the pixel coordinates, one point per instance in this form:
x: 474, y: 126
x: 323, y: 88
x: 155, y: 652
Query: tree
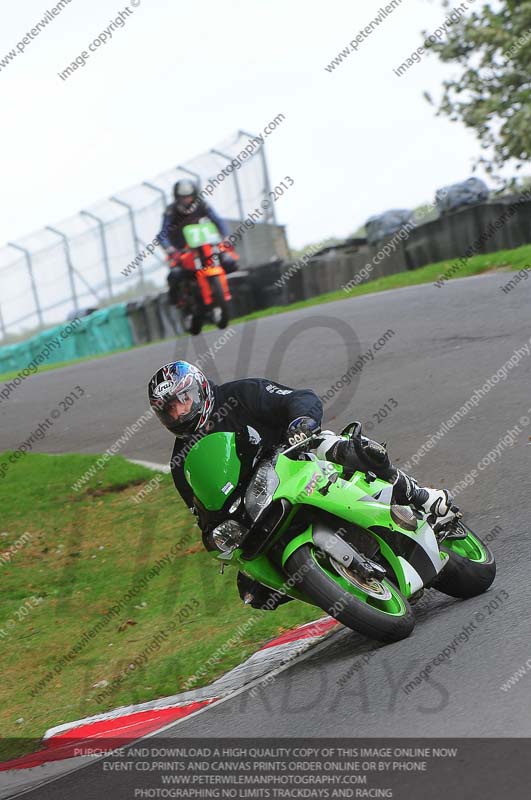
x: 493, y: 93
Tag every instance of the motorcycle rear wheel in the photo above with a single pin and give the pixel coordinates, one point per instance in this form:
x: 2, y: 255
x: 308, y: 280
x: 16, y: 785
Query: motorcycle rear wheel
x: 388, y: 619
x: 470, y: 569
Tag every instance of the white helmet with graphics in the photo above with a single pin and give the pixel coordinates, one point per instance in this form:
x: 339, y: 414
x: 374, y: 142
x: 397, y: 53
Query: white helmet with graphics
x: 181, y: 397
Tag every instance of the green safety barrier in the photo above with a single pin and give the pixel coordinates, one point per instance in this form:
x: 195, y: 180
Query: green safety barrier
x: 101, y: 332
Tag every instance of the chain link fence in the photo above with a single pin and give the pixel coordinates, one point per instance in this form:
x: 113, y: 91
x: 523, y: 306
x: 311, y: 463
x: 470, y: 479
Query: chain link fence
x: 77, y: 263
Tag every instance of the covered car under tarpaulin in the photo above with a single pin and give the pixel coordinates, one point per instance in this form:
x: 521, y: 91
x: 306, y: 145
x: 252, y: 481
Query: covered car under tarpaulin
x: 458, y: 195
x: 382, y: 226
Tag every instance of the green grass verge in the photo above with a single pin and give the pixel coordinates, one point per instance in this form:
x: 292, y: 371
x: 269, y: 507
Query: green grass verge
x: 503, y: 259
x: 80, y: 553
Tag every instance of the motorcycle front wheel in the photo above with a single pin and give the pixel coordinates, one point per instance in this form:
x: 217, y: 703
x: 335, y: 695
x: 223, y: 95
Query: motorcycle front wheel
x: 189, y: 309
x: 219, y: 302
x: 374, y: 608
x: 192, y: 323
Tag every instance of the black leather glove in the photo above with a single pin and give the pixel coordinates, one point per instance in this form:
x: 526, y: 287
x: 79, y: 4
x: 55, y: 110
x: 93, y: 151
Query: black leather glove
x: 300, y: 428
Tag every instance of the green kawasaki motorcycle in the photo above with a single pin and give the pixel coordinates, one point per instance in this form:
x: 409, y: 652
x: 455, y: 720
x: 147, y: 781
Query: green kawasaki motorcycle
x: 304, y: 527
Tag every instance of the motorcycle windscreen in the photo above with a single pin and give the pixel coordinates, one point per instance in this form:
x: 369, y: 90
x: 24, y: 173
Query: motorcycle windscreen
x: 212, y: 468
x: 200, y: 234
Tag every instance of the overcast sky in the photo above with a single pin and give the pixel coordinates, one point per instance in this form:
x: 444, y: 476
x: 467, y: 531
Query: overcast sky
x: 180, y: 77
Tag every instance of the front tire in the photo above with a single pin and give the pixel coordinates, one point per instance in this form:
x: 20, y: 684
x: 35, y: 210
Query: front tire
x: 197, y: 325
x: 191, y: 314
x: 218, y: 297
x: 382, y: 620
x: 470, y: 570
x: 192, y: 323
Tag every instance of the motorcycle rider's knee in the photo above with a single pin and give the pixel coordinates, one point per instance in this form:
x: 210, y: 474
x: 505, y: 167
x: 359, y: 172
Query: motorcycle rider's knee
x: 361, y: 454
x: 327, y: 441
x: 374, y: 453
x: 228, y: 263
x: 174, y: 277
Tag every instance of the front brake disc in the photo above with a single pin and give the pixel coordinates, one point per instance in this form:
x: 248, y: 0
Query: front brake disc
x: 370, y: 586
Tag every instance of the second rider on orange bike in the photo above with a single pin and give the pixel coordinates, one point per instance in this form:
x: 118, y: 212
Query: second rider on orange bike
x: 188, y: 209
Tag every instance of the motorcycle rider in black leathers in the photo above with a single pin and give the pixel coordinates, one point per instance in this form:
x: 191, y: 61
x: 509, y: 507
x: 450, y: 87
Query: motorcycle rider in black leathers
x: 191, y: 406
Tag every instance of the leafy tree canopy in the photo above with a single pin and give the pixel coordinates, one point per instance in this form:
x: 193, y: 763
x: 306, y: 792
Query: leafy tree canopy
x: 492, y: 94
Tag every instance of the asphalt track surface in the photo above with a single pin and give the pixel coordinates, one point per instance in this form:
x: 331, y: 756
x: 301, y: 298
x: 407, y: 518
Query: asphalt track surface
x: 446, y: 343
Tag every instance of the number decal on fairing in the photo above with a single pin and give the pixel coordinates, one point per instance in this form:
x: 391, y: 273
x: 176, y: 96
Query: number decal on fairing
x: 200, y: 234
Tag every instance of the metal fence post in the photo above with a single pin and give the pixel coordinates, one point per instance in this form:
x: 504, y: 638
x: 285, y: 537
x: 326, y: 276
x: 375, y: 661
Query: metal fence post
x: 29, y: 263
x: 195, y: 175
x: 69, y: 264
x: 158, y: 189
x: 104, y: 250
x: 136, y: 239
x: 2, y: 325
x: 267, y: 185
x: 239, y: 200
x: 162, y: 194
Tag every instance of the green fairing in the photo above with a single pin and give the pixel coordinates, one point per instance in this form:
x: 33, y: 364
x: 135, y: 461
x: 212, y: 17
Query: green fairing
x: 348, y: 500
x: 300, y: 482
x: 216, y: 452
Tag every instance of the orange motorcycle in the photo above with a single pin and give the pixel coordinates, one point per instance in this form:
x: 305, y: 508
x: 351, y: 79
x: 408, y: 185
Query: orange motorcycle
x: 204, y: 293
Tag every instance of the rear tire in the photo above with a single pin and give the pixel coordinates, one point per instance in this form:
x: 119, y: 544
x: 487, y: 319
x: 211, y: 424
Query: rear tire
x: 323, y: 588
x: 463, y: 577
x: 219, y: 300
